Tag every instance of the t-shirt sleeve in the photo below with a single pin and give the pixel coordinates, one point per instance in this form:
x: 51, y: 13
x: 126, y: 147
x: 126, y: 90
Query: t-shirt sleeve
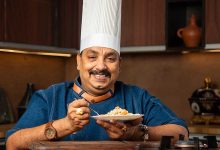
x: 35, y: 115
x: 156, y: 113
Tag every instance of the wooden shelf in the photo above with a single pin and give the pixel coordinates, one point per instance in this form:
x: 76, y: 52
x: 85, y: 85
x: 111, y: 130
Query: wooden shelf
x: 205, y: 129
x: 4, y: 128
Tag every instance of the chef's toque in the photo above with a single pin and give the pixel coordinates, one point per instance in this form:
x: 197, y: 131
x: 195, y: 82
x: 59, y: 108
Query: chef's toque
x: 101, y: 24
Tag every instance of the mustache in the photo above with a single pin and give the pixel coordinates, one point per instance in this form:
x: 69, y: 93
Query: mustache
x: 102, y: 72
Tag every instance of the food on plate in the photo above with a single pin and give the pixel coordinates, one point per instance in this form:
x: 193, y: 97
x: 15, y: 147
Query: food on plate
x: 118, y: 111
x: 118, y: 114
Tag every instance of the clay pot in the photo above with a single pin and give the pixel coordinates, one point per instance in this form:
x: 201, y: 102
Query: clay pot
x: 191, y: 34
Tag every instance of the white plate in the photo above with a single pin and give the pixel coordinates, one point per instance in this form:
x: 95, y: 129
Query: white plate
x: 118, y: 117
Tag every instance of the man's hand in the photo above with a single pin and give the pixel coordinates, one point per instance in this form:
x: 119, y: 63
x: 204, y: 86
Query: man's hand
x: 77, y: 115
x: 122, y: 130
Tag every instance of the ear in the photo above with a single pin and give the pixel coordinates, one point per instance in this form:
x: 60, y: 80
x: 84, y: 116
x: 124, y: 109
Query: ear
x: 120, y: 59
x: 78, y: 61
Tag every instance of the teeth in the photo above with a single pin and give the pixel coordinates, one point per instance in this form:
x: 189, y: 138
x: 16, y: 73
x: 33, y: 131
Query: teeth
x: 100, y: 76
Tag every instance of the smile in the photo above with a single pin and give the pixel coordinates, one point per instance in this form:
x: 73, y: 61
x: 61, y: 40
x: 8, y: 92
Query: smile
x: 100, y: 77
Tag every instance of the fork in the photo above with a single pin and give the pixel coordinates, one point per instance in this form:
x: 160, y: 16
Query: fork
x: 94, y: 111
x: 90, y: 107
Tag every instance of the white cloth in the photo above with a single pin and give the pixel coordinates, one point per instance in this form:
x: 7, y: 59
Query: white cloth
x: 101, y: 24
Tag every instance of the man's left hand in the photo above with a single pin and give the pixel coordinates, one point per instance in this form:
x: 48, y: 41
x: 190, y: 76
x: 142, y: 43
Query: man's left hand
x: 121, y: 130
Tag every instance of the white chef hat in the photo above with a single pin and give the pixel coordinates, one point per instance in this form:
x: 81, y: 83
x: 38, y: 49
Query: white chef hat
x: 101, y: 24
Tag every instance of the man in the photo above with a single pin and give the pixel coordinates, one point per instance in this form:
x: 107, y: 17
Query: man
x: 63, y: 111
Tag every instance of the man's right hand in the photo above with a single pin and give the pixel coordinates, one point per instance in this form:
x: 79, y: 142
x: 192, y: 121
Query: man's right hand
x: 77, y: 115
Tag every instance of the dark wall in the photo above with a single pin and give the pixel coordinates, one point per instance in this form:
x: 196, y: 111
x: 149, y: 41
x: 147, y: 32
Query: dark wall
x: 171, y: 77
x: 18, y: 69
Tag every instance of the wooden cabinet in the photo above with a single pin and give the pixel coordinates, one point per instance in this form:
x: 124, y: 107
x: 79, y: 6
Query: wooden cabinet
x: 70, y: 12
x: 143, y: 22
x: 40, y: 22
x: 57, y: 22
x: 29, y: 21
x: 2, y: 25
x: 212, y: 21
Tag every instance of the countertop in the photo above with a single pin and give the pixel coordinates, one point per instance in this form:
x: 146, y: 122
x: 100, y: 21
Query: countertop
x: 204, y: 129
x: 194, y: 129
x: 94, y: 145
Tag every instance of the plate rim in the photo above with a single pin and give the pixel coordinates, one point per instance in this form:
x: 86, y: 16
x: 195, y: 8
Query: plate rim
x: 97, y: 117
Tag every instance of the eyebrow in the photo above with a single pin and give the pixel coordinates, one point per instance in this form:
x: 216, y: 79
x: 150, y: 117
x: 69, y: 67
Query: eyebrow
x: 91, y: 51
x: 108, y: 54
x: 112, y: 53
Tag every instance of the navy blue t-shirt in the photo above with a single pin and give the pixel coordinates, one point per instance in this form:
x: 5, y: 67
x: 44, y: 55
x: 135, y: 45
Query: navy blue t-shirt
x: 51, y: 104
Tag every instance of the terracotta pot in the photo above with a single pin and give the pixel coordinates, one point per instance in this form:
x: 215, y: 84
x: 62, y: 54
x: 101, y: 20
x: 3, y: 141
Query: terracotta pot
x: 191, y: 34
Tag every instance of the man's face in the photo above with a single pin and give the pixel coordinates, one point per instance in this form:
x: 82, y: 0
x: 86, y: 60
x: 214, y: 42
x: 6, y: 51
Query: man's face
x: 98, y: 68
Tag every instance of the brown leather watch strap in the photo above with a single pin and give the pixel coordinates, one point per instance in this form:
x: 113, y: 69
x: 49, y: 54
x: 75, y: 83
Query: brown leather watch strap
x: 89, y: 97
x: 50, y: 132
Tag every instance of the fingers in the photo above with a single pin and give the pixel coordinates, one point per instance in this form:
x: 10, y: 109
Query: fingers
x: 79, y: 107
x: 83, y: 116
x: 134, y: 122
x: 78, y: 103
x: 137, y: 121
x: 124, y: 129
x: 115, y: 130
x: 121, y: 130
x: 78, y: 113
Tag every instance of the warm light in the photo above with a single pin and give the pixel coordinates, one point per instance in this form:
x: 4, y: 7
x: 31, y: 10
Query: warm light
x: 185, y: 52
x: 214, y: 51
x: 36, y: 52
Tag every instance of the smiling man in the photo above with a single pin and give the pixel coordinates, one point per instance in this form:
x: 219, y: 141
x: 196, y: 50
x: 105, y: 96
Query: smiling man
x: 62, y: 111
x: 99, y: 69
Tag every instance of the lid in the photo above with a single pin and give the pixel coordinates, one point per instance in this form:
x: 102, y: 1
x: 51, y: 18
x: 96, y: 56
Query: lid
x: 206, y: 92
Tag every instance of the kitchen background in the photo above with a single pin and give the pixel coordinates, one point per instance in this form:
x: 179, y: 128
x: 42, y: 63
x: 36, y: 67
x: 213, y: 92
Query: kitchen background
x: 171, y: 77
x: 153, y: 57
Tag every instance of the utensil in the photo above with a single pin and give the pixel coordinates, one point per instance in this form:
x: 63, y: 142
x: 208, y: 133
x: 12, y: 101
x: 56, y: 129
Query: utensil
x: 94, y: 111
x: 90, y: 107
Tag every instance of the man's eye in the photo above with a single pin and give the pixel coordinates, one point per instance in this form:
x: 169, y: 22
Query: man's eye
x: 111, y: 58
x: 91, y: 57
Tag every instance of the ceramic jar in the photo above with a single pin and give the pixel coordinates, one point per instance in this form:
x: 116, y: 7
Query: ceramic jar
x: 191, y: 34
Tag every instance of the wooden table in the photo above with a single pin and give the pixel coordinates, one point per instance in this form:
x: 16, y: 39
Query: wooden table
x: 205, y: 129
x: 94, y: 145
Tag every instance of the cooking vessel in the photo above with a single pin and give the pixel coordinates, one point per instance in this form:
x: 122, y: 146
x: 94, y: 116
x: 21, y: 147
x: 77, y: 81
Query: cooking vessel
x: 205, y: 100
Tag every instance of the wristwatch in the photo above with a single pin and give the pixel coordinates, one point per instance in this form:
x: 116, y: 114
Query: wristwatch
x: 144, y: 129
x: 50, y: 132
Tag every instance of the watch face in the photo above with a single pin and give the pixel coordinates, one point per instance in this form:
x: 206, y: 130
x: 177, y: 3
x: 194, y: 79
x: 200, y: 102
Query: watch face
x: 50, y: 133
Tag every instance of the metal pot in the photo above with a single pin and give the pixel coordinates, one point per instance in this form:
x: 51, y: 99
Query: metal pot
x: 205, y: 100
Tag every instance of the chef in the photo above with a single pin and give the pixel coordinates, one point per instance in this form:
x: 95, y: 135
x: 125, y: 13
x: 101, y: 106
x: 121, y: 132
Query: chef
x: 63, y: 111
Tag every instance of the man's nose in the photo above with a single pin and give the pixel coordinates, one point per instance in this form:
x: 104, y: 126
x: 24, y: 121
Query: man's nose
x: 101, y: 65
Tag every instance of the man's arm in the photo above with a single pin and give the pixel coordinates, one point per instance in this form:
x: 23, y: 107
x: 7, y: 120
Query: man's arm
x: 65, y: 126
x: 155, y: 133
x: 133, y: 131
x: 24, y: 137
